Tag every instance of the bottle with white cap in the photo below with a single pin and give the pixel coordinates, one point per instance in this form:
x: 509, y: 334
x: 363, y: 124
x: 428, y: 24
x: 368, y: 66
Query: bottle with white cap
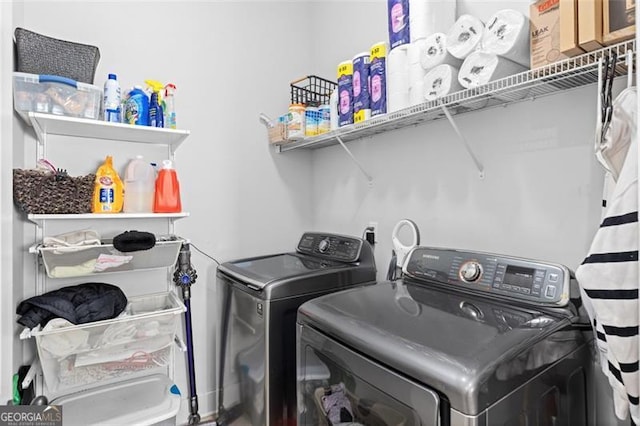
x: 139, y: 186
x: 112, y: 99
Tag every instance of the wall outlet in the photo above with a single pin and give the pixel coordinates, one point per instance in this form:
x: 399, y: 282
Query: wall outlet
x: 370, y: 232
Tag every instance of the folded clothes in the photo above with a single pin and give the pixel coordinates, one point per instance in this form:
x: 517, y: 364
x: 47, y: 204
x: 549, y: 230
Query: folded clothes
x: 76, y: 240
x: 85, y: 268
x: 78, y: 304
x: 63, y: 344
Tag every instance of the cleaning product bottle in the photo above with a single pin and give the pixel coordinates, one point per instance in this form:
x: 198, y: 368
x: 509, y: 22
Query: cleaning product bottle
x: 167, y: 195
x: 112, y: 99
x: 139, y: 186
x: 156, y: 115
x: 170, y: 106
x: 137, y: 107
x: 108, y: 193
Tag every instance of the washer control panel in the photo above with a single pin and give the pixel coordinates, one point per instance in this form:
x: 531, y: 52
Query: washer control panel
x: 529, y: 280
x: 331, y: 246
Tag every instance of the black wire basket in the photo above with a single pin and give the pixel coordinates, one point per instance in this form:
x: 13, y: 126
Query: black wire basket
x: 312, y: 91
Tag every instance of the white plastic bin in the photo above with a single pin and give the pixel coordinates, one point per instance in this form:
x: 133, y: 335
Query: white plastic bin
x: 137, y: 343
x: 64, y: 262
x: 55, y: 95
x: 152, y: 400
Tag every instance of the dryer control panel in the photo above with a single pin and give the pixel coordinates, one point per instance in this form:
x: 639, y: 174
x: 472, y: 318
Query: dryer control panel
x: 331, y: 246
x: 508, y: 277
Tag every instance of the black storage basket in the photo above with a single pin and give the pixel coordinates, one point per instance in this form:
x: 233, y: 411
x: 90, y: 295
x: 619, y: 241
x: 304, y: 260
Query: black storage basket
x: 40, y: 54
x: 37, y: 192
x: 312, y: 91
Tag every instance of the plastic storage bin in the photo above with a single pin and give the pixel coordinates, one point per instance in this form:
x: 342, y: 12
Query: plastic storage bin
x: 152, y: 400
x: 81, y: 261
x: 139, y: 342
x: 55, y: 95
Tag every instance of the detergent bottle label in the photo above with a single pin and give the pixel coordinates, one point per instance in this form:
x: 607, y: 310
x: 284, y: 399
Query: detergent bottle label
x: 108, y: 194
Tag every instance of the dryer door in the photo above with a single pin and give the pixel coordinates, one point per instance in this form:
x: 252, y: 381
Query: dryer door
x: 338, y: 385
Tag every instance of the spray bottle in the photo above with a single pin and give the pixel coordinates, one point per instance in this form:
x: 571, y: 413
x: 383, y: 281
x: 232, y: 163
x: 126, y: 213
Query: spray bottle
x: 169, y: 106
x: 156, y: 115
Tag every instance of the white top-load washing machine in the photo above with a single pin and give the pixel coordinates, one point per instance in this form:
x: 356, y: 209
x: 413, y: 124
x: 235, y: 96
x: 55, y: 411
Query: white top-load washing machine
x: 462, y: 339
x: 259, y: 301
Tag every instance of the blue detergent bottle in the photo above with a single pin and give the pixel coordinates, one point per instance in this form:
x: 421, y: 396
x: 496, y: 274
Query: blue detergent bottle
x: 156, y: 116
x: 136, y: 108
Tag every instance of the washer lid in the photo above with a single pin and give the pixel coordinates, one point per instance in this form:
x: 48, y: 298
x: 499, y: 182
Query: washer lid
x: 258, y: 272
x: 471, y: 349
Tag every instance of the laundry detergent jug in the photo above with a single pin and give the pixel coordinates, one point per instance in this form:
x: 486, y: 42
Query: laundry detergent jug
x: 167, y: 195
x: 139, y: 186
x: 108, y: 194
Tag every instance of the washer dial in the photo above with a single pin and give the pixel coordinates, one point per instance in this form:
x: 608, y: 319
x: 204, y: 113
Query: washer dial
x: 470, y: 271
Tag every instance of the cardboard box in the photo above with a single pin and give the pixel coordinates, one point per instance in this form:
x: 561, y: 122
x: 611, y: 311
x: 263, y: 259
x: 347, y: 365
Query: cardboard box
x: 619, y: 20
x: 590, y: 25
x: 569, y: 28
x: 545, y: 33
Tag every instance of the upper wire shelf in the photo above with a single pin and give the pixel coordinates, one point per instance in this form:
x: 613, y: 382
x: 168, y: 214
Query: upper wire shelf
x: 551, y: 79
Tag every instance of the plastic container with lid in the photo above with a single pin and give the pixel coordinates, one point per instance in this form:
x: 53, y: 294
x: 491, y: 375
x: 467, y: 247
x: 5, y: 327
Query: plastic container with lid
x: 167, y: 193
x: 139, y: 186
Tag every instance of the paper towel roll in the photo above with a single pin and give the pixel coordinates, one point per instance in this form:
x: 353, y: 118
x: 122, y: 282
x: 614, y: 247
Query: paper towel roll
x: 430, y: 16
x: 361, y: 99
x: 416, y: 93
x: 345, y: 93
x: 436, y: 53
x: 397, y: 82
x: 378, y: 78
x: 415, y: 50
x: 398, y: 100
x: 416, y: 74
x: 441, y: 81
x: 465, y: 36
x: 481, y: 67
x: 507, y: 35
x: 398, y: 18
x: 398, y: 60
x: 333, y: 105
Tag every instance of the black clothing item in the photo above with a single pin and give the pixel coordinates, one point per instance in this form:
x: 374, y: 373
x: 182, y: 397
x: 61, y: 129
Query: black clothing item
x: 77, y: 304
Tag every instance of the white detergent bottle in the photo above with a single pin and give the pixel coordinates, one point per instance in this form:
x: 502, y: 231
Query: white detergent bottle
x: 139, y: 186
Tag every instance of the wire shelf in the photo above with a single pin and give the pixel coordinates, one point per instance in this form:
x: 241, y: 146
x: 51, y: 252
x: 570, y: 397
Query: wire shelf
x: 548, y: 80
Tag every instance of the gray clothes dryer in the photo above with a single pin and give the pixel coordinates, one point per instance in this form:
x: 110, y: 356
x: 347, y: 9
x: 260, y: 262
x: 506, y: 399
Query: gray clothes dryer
x: 259, y: 300
x: 463, y: 339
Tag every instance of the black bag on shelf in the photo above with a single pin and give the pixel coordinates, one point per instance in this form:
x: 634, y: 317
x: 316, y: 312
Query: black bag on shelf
x: 38, y: 192
x: 40, y: 54
x: 134, y: 241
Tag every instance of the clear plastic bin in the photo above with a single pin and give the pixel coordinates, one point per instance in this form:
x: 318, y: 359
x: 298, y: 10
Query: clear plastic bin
x: 139, y: 342
x: 55, y: 95
x: 146, y: 401
x: 64, y: 262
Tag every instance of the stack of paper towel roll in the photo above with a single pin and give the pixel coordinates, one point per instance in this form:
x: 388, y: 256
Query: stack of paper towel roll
x: 441, y: 67
x: 497, y: 51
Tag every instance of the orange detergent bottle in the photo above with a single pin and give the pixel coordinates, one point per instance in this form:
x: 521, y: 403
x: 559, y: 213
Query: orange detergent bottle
x: 167, y: 196
x: 108, y: 190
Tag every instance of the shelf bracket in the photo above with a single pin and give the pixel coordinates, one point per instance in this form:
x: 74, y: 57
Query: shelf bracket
x: 41, y: 137
x: 477, y: 162
x: 355, y: 160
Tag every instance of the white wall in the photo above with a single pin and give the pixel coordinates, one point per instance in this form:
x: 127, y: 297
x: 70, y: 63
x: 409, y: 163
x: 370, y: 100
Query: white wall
x: 230, y: 61
x: 541, y: 194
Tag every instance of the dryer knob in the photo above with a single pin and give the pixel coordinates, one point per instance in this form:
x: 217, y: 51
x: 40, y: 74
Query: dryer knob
x: 470, y: 271
x: 323, y: 246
